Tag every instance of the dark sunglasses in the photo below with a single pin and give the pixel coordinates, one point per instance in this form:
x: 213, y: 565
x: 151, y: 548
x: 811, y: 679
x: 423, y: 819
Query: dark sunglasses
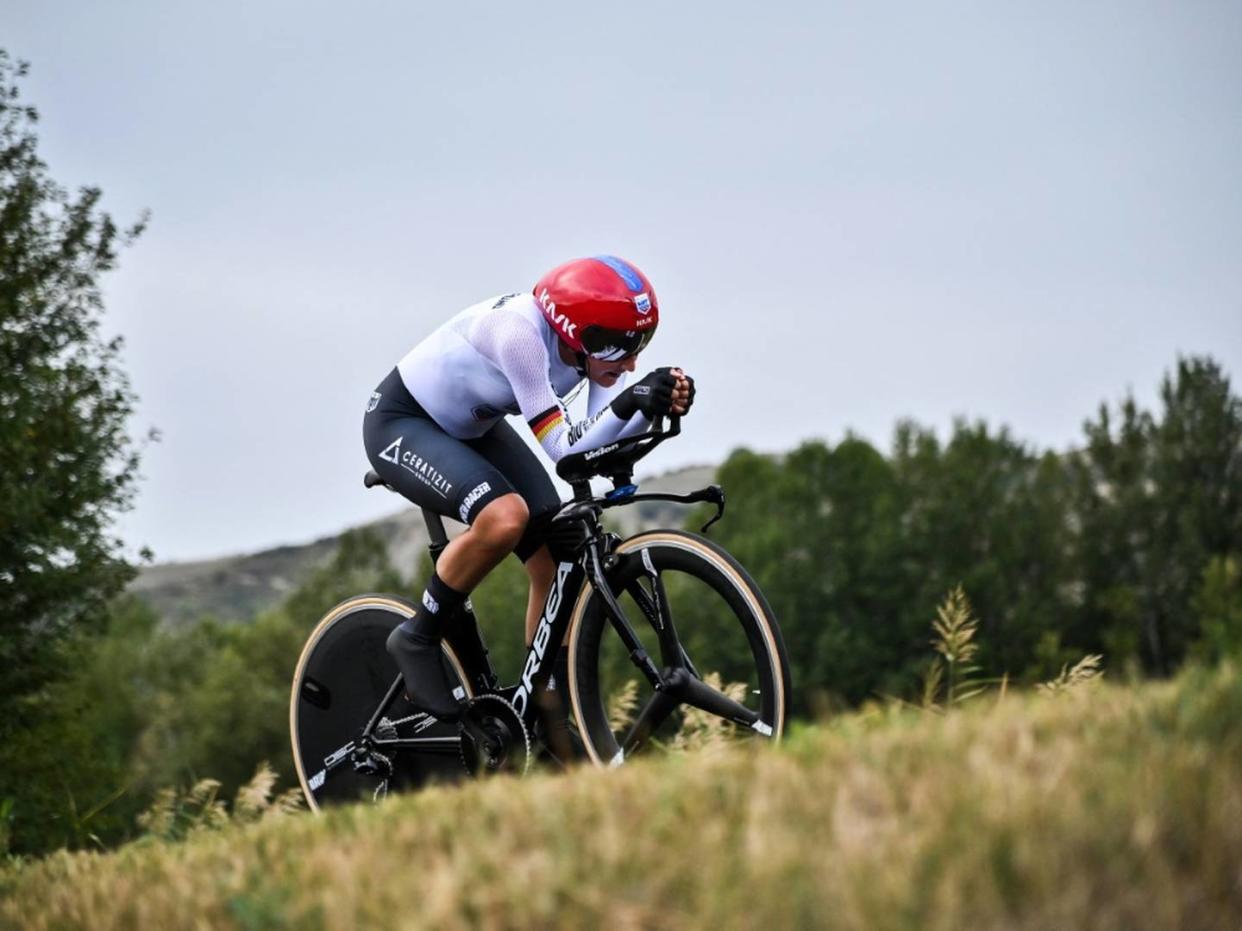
x: 614, y: 345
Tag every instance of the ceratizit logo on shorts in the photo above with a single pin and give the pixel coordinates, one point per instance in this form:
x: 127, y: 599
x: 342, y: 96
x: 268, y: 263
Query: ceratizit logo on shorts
x: 419, y: 467
x: 393, y: 452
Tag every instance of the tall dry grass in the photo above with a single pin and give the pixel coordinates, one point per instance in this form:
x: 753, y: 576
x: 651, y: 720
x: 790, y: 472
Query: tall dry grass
x: 178, y: 813
x: 1107, y: 808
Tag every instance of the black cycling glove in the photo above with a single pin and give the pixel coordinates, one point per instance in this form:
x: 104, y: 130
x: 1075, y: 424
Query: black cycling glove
x: 690, y: 394
x: 690, y: 399
x: 653, y: 396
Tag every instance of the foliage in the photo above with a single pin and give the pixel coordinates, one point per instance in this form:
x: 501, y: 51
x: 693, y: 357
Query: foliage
x: 145, y: 707
x: 66, y: 469
x: 955, y: 629
x: 1156, y: 499
x: 623, y: 706
x: 1107, y: 810
x: 1084, y: 671
x: 177, y: 814
x: 1218, y: 604
x: 67, y: 466
x: 1122, y: 548
x: 700, y: 730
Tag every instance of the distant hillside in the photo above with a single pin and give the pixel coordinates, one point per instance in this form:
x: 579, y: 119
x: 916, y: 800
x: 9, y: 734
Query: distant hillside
x: 234, y: 588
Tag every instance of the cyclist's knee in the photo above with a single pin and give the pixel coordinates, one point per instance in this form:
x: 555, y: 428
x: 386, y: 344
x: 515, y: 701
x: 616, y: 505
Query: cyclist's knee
x: 502, y: 521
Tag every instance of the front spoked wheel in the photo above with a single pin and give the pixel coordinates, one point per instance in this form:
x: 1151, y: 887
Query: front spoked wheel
x: 345, y: 711
x: 705, y: 624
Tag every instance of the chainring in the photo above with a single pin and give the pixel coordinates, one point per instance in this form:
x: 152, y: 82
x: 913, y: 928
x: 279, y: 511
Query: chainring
x: 494, y: 738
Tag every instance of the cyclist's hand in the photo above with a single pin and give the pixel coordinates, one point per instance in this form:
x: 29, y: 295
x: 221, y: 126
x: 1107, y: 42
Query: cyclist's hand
x: 683, y: 394
x: 653, y: 396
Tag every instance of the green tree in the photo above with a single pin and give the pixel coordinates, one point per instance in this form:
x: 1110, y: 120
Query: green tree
x: 819, y: 531
x: 67, y: 466
x: 67, y: 469
x: 1218, y: 608
x: 854, y: 550
x: 69, y: 771
x: 1156, y: 498
x: 988, y: 513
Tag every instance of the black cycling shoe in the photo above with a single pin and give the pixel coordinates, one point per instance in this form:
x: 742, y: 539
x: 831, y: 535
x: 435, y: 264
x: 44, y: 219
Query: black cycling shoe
x: 419, y: 662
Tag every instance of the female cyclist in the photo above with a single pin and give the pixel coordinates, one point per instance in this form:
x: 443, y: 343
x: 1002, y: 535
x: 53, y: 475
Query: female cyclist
x: 435, y: 431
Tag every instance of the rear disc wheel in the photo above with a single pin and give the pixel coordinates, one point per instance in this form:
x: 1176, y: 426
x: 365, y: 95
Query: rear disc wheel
x: 341, y: 679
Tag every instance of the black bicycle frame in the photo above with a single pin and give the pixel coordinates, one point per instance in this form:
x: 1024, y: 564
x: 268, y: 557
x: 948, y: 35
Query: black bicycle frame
x: 587, y: 558
x: 678, y: 683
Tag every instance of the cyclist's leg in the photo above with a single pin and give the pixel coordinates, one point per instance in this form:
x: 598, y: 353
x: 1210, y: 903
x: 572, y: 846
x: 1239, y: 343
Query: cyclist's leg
x: 502, y: 445
x: 443, y: 474
x: 541, y: 568
x: 504, y: 448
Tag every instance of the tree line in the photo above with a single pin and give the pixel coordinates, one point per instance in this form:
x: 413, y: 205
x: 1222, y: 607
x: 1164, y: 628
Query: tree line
x: 1129, y: 546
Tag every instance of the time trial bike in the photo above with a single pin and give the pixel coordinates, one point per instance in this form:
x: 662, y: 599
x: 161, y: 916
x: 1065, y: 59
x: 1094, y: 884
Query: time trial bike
x: 666, y: 633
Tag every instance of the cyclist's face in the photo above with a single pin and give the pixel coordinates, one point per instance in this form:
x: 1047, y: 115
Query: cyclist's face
x: 606, y: 374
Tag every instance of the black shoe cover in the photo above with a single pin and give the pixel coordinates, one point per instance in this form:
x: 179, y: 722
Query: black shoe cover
x: 425, y: 685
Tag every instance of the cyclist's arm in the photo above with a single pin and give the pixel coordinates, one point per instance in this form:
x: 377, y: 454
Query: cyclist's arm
x: 522, y: 358
x: 599, y: 397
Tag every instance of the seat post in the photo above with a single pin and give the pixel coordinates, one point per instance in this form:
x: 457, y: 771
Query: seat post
x: 435, y: 533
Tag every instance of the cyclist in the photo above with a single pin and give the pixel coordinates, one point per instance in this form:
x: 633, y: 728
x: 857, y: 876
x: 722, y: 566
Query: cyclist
x: 435, y: 431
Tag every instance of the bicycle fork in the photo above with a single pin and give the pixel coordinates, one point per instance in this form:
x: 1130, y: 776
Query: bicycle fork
x: 679, y: 683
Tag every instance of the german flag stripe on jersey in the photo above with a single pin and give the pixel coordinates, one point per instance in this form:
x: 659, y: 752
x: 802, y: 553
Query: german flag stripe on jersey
x: 543, y: 424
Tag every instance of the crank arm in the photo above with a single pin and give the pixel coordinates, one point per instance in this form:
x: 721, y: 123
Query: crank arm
x: 331, y: 762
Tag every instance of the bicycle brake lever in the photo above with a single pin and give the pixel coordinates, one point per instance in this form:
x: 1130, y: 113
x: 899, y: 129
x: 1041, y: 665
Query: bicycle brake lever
x: 715, y: 494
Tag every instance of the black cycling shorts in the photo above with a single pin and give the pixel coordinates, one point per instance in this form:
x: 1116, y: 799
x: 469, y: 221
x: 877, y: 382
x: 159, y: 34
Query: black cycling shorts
x: 454, y: 478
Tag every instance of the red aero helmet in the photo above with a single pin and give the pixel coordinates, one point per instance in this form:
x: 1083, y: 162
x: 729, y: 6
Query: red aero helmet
x: 602, y: 306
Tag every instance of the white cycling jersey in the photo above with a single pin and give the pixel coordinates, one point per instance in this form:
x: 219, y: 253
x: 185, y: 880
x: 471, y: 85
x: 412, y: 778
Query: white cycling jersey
x: 500, y: 357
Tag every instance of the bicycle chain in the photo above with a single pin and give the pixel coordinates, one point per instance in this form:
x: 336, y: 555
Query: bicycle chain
x: 386, y: 729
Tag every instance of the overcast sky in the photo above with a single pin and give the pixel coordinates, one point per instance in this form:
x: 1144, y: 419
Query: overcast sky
x: 851, y: 214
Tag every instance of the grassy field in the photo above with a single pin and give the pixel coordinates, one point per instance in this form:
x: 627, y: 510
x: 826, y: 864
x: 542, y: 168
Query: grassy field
x: 1105, y: 807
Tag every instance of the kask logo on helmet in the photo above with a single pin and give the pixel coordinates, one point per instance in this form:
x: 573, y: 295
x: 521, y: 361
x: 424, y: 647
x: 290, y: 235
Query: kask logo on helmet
x: 559, y: 319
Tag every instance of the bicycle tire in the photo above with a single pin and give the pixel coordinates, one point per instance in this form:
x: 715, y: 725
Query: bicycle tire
x: 722, y: 613
x: 341, y: 677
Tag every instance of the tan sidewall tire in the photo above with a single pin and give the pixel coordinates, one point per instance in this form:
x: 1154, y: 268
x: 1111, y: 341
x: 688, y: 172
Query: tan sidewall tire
x: 747, y: 590
x: 399, y: 606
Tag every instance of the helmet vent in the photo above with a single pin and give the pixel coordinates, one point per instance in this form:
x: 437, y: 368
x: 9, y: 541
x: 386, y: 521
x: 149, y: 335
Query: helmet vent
x: 627, y: 272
